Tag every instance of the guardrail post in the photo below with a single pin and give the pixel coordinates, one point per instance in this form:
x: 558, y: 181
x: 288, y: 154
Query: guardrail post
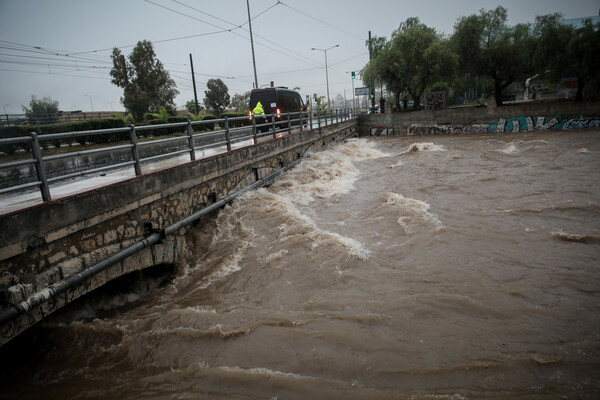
x: 310, y: 114
x: 336, y: 116
x: 190, y: 134
x: 254, y: 129
x: 227, y: 137
x: 301, y: 114
x: 135, y: 153
x: 289, y: 123
x: 274, y: 126
x: 39, y: 167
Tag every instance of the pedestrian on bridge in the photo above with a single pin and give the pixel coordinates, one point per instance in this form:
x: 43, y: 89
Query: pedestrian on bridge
x: 259, y: 115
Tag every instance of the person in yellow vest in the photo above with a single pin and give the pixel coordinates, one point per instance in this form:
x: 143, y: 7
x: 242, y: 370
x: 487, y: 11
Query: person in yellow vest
x: 259, y: 115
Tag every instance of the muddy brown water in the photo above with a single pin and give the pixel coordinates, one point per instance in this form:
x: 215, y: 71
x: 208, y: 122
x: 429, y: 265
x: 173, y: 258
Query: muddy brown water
x: 431, y: 267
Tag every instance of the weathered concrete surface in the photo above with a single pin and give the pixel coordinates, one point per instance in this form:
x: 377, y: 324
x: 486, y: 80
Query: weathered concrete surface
x: 400, y: 123
x: 52, y: 241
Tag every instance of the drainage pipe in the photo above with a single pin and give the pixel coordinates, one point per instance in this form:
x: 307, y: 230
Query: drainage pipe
x: 60, y: 287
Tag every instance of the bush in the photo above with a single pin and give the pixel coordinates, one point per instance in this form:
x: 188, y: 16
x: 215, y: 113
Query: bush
x: 208, y: 126
x: 94, y: 124
x: 7, y: 132
x: 237, y: 122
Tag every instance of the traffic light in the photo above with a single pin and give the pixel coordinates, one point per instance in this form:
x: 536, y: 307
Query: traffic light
x: 353, y: 75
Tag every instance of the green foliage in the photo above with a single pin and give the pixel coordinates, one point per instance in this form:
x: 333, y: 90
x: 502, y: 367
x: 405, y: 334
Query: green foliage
x: 241, y: 102
x: 560, y: 47
x: 486, y: 45
x: 162, y: 116
x: 413, y: 60
x: 44, y: 110
x: 208, y: 126
x: 242, y: 119
x: 585, y: 55
x: 128, y: 119
x: 94, y: 124
x: 321, y: 104
x: 147, y: 86
x: 190, y: 106
x: 217, y: 96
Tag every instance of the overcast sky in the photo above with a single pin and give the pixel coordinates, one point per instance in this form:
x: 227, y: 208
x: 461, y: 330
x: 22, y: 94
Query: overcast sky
x: 61, y: 48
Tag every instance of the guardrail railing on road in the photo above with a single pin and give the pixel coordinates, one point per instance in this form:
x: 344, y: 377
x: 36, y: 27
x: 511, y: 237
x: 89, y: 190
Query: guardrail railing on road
x: 227, y: 137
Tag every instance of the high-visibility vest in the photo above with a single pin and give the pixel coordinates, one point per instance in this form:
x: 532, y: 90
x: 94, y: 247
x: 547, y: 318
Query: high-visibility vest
x: 258, y: 110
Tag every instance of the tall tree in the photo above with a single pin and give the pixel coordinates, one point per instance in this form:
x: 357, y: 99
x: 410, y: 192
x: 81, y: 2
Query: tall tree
x: 42, y: 111
x: 241, y: 102
x: 415, y: 58
x: 585, y: 54
x: 217, y: 96
x: 563, y: 49
x: 486, y: 45
x: 147, y: 86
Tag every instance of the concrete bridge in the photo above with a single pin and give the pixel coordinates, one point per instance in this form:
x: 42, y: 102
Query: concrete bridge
x: 57, y: 251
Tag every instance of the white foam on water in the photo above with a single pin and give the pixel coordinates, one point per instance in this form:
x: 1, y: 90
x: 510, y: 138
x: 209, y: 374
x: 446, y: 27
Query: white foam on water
x: 423, y: 146
x: 398, y: 164
x: 327, y: 173
x: 413, y: 213
x: 510, y: 149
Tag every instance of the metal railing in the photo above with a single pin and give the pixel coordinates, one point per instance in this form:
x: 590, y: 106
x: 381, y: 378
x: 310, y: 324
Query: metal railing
x: 228, y: 136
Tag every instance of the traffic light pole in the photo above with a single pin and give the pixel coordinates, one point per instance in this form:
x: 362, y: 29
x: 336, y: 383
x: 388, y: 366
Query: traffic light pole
x: 353, y: 94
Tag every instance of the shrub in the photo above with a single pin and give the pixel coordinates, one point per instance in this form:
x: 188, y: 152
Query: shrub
x: 237, y: 122
x: 207, y: 126
x: 7, y: 132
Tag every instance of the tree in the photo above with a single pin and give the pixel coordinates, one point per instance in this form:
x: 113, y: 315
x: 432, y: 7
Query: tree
x: 42, y: 111
x: 147, y: 86
x: 415, y: 58
x: 217, y: 96
x: 585, y: 55
x: 241, y: 102
x: 563, y: 49
x: 190, y: 105
x: 487, y: 46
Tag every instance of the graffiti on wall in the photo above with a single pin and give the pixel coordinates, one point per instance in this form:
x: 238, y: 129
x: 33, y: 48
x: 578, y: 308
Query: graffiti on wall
x: 515, y: 124
x: 523, y: 123
x: 435, y: 100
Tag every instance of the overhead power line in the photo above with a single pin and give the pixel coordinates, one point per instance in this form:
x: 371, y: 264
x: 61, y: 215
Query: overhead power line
x: 322, y: 22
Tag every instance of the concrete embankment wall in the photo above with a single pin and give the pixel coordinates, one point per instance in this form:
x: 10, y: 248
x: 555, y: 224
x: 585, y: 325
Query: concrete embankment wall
x: 510, y: 118
x: 53, y: 241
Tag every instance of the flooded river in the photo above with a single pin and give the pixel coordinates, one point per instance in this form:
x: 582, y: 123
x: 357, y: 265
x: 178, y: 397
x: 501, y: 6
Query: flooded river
x: 430, y: 267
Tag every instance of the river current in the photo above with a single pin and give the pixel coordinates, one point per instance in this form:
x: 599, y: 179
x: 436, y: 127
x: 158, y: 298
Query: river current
x: 423, y: 267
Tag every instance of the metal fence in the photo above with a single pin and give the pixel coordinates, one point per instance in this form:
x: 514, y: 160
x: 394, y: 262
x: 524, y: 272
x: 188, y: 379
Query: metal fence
x: 271, y: 125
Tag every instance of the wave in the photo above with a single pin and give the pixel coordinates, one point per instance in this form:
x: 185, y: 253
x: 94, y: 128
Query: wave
x: 327, y: 173
x: 510, y: 149
x: 423, y: 146
x: 413, y: 212
x: 575, y: 237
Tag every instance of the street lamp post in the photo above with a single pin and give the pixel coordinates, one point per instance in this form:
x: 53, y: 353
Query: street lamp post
x: 326, y: 73
x: 90, y: 101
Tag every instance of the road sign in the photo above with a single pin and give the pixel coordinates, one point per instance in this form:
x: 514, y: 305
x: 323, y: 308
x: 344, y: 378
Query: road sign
x: 361, y: 91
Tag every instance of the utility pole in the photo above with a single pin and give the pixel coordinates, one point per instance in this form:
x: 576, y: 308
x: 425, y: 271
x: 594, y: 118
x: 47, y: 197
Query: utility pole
x: 372, y: 90
x: 252, y: 45
x: 194, y: 83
